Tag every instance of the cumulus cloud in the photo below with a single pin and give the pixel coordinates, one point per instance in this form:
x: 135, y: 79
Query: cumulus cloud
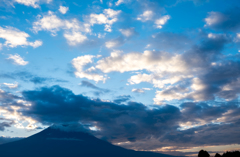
x: 32, y: 3
x: 149, y: 15
x: 73, y: 28
x: 81, y: 63
x: 146, y: 16
x: 108, y: 17
x: 15, y: 37
x: 225, y: 21
x: 17, y: 59
x: 128, y: 32
x: 63, y: 9
x: 162, y: 21
x: 179, y: 76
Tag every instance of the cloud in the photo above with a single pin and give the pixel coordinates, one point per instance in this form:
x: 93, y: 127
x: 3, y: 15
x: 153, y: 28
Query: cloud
x: 90, y: 85
x: 179, y: 76
x: 75, y: 38
x: 80, y: 64
x: 108, y: 17
x: 122, y: 99
x: 226, y: 21
x: 128, y: 32
x: 133, y: 124
x: 167, y: 41
x: 15, y: 37
x: 119, y: 2
x: 138, y: 90
x: 63, y: 9
x: 17, y: 59
x: 73, y: 28
x: 115, y: 42
x: 11, y: 85
x: 29, y: 77
x: 162, y: 21
x: 146, y: 16
x: 4, y: 123
x: 32, y: 3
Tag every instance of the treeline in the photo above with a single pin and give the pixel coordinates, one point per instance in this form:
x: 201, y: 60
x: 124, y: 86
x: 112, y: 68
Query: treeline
x: 203, y: 153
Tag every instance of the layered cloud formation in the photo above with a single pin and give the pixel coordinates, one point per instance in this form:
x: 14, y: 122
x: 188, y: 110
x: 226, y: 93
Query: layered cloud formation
x: 132, y: 124
x: 147, y: 74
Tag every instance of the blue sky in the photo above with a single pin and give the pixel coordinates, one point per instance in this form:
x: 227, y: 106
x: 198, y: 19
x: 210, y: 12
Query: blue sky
x: 178, y: 58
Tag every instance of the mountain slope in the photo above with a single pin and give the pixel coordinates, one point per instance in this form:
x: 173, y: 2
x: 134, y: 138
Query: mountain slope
x: 56, y: 143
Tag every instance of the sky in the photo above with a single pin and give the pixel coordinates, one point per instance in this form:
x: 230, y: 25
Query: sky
x: 150, y: 75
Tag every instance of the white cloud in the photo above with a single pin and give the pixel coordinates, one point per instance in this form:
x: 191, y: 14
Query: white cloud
x: 17, y: 59
x: 75, y: 38
x: 214, y: 18
x: 138, y: 90
x: 166, y: 71
x: 108, y: 17
x: 119, y: 2
x: 114, y: 43
x: 32, y: 3
x: 49, y: 22
x: 236, y: 39
x: 63, y: 9
x: 15, y: 37
x: 0, y: 46
x: 11, y: 85
x: 73, y: 29
x: 149, y: 60
x: 146, y: 16
x: 80, y: 64
x: 162, y: 21
x: 128, y: 32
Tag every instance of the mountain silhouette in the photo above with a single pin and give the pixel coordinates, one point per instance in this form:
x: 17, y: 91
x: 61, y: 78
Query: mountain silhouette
x: 53, y: 142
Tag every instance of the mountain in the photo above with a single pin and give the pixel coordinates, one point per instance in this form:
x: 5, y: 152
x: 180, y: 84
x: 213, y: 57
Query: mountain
x: 53, y: 142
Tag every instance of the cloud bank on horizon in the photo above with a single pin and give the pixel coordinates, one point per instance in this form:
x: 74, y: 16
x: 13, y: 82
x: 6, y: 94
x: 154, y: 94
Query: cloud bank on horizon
x: 165, y: 73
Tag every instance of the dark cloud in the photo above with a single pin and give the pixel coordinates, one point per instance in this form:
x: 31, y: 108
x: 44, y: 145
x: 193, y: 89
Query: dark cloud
x: 208, y: 51
x: 159, y: 126
x: 131, y: 121
x: 5, y: 123
x: 122, y: 99
x: 226, y: 21
x: 29, y: 77
x: 224, y: 74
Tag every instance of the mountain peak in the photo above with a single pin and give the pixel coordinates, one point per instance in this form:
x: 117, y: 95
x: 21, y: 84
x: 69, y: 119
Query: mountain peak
x: 55, y: 142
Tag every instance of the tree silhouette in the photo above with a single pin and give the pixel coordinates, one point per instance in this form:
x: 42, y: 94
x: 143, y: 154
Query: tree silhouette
x: 203, y: 153
x: 217, y: 155
x: 231, y: 154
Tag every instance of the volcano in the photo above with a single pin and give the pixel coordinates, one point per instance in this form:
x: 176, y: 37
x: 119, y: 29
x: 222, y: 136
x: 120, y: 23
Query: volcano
x: 53, y: 142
